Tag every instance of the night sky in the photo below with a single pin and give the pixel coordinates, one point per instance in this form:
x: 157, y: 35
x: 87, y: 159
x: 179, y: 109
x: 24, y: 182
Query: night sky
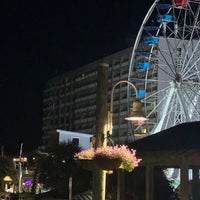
x: 40, y: 39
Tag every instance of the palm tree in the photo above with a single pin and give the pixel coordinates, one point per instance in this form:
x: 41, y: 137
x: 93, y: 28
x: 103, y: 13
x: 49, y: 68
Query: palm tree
x: 57, y: 165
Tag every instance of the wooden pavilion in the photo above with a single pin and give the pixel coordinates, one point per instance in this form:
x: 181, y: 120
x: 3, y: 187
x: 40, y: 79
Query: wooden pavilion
x: 176, y: 147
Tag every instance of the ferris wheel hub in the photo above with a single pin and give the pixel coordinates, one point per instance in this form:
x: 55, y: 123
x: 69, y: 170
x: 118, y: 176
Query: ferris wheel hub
x: 178, y: 79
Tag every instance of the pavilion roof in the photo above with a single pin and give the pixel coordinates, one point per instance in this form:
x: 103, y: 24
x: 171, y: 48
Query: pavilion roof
x: 185, y: 136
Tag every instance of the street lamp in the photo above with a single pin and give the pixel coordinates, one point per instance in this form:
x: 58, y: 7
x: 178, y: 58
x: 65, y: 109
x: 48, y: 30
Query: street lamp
x: 136, y: 115
x: 104, y: 124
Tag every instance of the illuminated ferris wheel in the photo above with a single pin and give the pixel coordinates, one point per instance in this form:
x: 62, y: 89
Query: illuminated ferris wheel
x: 165, y: 64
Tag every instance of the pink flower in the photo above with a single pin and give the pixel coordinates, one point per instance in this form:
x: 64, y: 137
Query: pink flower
x: 85, y: 154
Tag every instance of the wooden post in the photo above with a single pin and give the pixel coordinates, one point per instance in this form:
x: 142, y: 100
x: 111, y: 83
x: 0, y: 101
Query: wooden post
x: 195, y: 183
x: 70, y: 188
x: 149, y: 182
x: 120, y: 184
x: 184, y: 193
x: 99, y: 176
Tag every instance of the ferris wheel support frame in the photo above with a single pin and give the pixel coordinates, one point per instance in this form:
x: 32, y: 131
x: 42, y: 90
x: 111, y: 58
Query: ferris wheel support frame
x: 165, y: 109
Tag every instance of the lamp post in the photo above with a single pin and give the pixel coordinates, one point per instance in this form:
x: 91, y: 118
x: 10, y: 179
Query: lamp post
x: 104, y: 124
x: 136, y: 114
x: 99, y: 176
x: 20, y: 170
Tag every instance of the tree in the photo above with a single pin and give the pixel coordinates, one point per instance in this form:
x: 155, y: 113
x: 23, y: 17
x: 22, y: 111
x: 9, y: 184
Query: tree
x: 57, y: 165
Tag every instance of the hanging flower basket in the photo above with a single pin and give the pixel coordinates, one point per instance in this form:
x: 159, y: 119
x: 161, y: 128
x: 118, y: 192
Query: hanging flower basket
x: 108, y: 158
x: 86, y: 164
x: 107, y: 163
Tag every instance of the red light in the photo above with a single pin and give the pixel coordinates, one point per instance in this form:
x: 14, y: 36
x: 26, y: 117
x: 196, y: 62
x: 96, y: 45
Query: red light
x: 180, y: 3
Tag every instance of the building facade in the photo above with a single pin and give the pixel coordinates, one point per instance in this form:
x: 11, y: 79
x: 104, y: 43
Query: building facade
x: 58, y: 136
x: 70, y: 98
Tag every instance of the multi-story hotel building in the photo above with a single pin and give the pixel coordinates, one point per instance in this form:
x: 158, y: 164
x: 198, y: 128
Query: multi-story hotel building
x: 70, y: 98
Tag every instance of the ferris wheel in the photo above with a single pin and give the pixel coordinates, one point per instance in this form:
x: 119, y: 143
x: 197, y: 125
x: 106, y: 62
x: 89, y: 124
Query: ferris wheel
x: 165, y: 64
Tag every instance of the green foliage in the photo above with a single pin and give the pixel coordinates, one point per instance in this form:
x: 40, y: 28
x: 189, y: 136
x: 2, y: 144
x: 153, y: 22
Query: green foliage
x: 55, y: 167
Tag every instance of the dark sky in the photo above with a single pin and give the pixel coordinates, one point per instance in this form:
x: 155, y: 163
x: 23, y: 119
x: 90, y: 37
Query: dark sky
x: 40, y: 39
